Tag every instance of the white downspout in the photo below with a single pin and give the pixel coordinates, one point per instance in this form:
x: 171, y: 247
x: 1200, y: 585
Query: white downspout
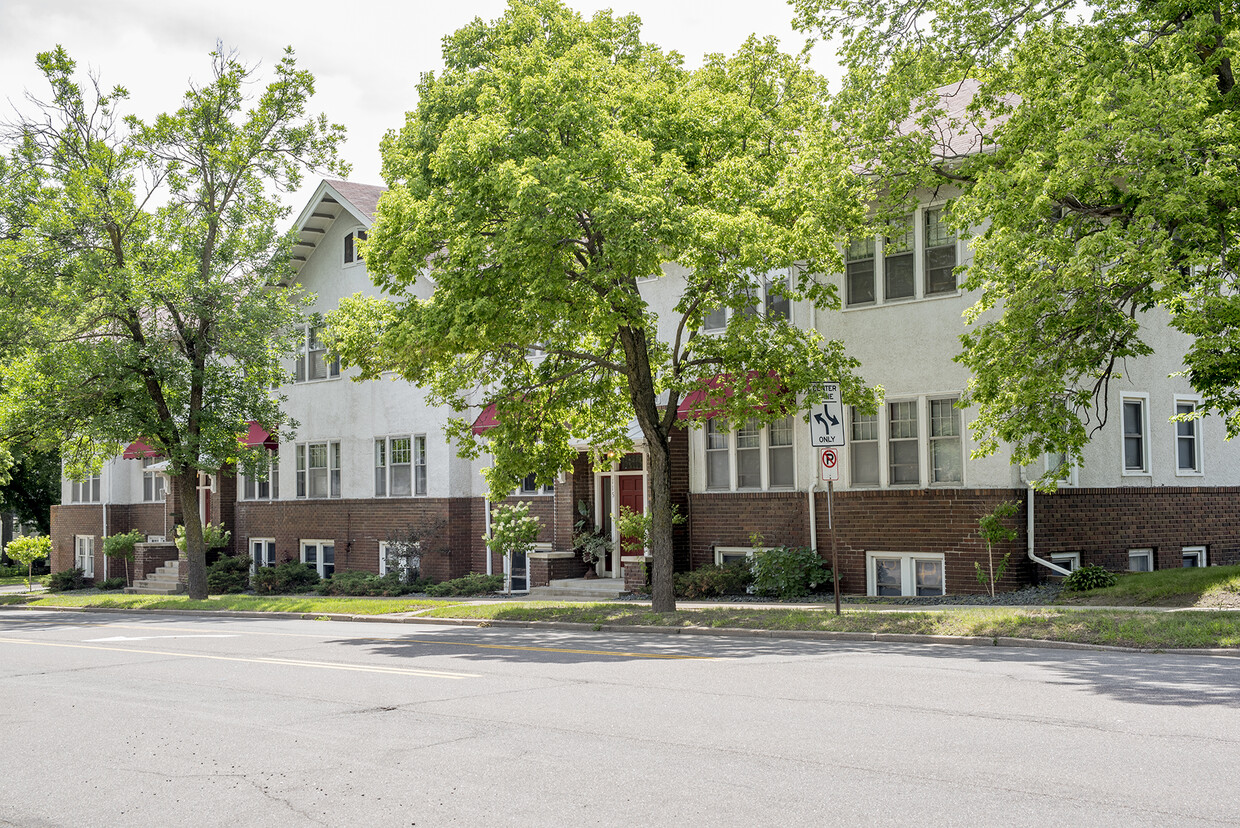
x: 1029, y: 497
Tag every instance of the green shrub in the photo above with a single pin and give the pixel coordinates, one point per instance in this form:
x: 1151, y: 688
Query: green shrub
x: 285, y: 579
x: 13, y: 571
x: 229, y: 575
x: 789, y: 572
x: 1089, y: 576
x: 66, y: 580
x: 475, y: 583
x: 713, y: 580
x: 111, y: 583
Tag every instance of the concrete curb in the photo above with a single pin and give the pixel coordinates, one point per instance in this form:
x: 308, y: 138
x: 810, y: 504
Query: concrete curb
x: 804, y: 635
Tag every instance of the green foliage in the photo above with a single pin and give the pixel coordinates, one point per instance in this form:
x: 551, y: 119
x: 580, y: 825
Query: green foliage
x: 122, y: 546
x: 1089, y: 576
x: 474, y: 583
x: 66, y: 580
x: 229, y: 575
x: 26, y: 550
x: 513, y: 529
x: 714, y: 580
x: 789, y: 572
x: 31, y: 485
x: 549, y: 170
x: 591, y: 543
x: 137, y: 261
x: 634, y: 528
x: 1106, y: 196
x: 992, y: 530
x: 285, y: 579
x: 214, y: 536
x: 109, y: 584
x: 367, y: 583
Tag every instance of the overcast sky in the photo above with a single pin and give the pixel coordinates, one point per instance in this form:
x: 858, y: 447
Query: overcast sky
x: 366, y: 60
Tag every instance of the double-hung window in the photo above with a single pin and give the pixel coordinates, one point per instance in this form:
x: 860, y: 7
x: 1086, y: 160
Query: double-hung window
x: 153, y: 482
x: 312, y: 361
x: 771, y: 300
x: 903, y: 468
x: 863, y: 452
x: 84, y: 554
x: 1136, y: 427
x: 1055, y: 461
x: 318, y: 469
x: 85, y: 491
x: 898, y: 267
x: 529, y: 486
x: 400, y: 466
x: 940, y: 263
x: 777, y: 303
x: 320, y: 554
x: 753, y: 457
x: 859, y: 272
x: 1187, y: 438
x: 946, y: 455
x: 265, y: 485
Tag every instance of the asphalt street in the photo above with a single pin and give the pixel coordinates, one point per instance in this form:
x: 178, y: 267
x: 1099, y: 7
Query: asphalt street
x: 149, y: 720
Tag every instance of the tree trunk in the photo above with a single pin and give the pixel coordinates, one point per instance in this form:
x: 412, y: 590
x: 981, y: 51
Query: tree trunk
x: 194, y: 558
x: 661, y: 527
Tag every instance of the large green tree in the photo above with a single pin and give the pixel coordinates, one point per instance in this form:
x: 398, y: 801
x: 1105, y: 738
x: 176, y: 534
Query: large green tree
x: 140, y: 263
x: 1105, y: 175
x: 555, y: 165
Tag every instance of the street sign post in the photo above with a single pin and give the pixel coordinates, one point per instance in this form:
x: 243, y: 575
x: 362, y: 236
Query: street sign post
x: 826, y: 418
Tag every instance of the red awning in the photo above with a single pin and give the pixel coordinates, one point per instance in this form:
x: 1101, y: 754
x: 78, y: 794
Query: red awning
x: 705, y: 401
x: 259, y: 437
x: 487, y: 420
x: 140, y: 450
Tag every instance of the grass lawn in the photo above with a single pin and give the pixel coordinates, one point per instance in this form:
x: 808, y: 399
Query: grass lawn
x: 247, y: 603
x: 1215, y: 587
x: 11, y: 580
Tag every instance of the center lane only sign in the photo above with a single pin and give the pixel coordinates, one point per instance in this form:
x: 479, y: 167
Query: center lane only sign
x: 826, y: 417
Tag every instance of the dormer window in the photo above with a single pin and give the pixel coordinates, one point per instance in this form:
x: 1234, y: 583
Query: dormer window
x: 351, y: 253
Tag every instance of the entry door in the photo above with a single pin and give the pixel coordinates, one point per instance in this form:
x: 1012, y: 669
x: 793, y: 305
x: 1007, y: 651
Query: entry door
x: 631, y: 496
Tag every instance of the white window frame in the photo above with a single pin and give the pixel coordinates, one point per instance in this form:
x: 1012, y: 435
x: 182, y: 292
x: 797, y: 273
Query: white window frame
x: 418, y: 472
x: 908, y: 560
x: 931, y: 440
x: 1073, y: 560
x: 736, y: 551
x: 349, y: 246
x: 1195, y: 402
x: 919, y: 219
x: 254, y: 559
x: 157, y: 490
x: 1199, y: 551
x: 917, y: 439
x: 302, y: 469
x: 1147, y: 553
x: 318, y: 543
x: 876, y: 420
x: 1144, y: 400
x: 529, y: 487
x: 303, y: 361
x: 86, y: 491
x: 761, y: 292
x: 764, y: 449
x: 1049, y: 464
x: 251, y: 487
x: 84, y: 554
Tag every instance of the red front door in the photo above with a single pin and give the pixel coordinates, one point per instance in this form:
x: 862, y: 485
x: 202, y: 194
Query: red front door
x: 629, y: 488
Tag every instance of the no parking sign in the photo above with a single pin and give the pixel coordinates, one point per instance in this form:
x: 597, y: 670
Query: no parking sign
x: 829, y: 465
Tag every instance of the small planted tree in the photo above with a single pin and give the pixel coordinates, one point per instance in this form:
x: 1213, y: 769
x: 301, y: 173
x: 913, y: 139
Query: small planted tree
x: 122, y: 546
x: 28, y: 550
x: 513, y: 531
x: 992, y: 530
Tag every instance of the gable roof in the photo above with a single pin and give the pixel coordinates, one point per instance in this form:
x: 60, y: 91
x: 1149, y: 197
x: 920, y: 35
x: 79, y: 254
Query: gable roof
x: 332, y: 200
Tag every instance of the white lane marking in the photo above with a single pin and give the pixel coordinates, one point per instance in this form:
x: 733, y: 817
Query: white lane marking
x: 154, y: 637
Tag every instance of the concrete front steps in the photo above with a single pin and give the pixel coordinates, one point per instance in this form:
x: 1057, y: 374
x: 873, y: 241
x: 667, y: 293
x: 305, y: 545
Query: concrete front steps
x: 163, y: 581
x: 580, y: 589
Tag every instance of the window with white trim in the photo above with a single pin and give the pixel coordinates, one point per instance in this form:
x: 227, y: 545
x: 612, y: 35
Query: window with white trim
x: 153, y: 482
x: 392, y: 561
x: 940, y: 253
x: 529, y: 486
x: 907, y: 574
x: 946, y: 454
x: 1187, y: 437
x: 1193, y: 556
x: 352, y: 255
x: 859, y: 272
x: 262, y: 553
x: 312, y: 362
x: 400, y: 466
x: 769, y: 297
x: 265, y: 485
x: 1054, y: 460
x: 318, y: 469
x: 84, y: 554
x: 753, y: 457
x: 863, y: 453
x: 1136, y: 427
x: 1070, y: 561
x: 899, y: 281
x: 1140, y: 560
x: 728, y: 555
x: 902, y: 453
x: 320, y: 554
x: 84, y: 491
x: 776, y: 305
